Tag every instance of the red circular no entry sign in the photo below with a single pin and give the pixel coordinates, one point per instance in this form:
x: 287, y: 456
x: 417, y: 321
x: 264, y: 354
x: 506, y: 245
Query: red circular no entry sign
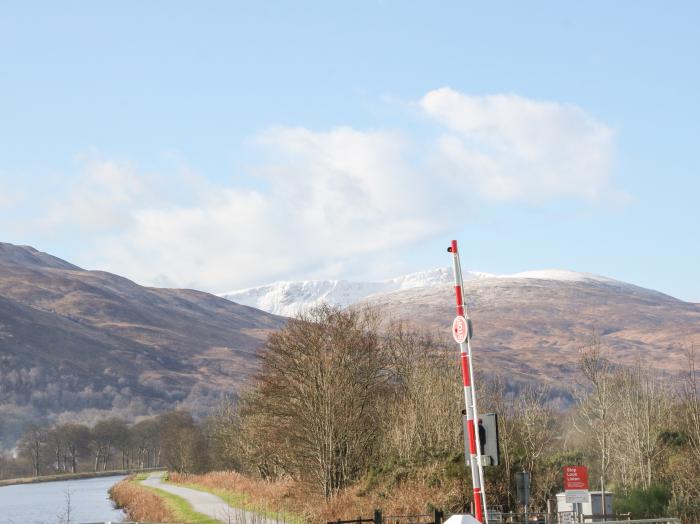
x: 459, y: 329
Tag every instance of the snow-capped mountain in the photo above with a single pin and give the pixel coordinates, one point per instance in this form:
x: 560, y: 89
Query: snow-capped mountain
x: 534, y: 324
x: 528, y: 326
x: 290, y: 297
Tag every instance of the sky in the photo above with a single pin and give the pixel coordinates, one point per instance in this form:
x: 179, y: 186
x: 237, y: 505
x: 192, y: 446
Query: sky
x: 221, y: 145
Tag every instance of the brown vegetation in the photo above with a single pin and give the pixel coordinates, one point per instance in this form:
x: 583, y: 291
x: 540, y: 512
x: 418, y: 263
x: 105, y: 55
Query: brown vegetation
x: 410, y: 496
x: 90, y: 342
x: 304, y: 417
x: 533, y: 328
x: 140, y: 503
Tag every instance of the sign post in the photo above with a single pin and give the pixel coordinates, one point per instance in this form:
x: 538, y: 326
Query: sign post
x: 522, y: 488
x: 462, y: 334
x: 576, y: 484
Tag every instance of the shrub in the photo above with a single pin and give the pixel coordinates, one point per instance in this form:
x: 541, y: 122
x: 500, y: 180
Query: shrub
x: 644, y: 503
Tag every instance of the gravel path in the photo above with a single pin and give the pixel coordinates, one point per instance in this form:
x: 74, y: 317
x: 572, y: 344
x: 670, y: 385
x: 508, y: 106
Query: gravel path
x: 206, y: 503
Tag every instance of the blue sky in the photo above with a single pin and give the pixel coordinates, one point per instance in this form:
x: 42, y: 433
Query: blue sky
x: 219, y: 145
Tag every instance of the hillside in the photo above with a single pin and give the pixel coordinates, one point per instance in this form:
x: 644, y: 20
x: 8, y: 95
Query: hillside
x: 534, y: 324
x: 531, y: 325
x: 82, y: 341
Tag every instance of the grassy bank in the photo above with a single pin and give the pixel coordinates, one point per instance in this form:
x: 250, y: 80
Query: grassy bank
x: 145, y: 503
x: 396, y: 491
x: 141, y: 503
x: 268, y: 508
x: 72, y: 476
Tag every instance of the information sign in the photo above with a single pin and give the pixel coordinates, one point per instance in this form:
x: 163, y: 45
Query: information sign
x: 575, y: 478
x: 574, y: 496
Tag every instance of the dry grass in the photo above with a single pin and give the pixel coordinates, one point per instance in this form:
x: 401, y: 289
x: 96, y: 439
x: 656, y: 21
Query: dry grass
x: 415, y: 494
x: 272, y: 497
x: 140, y: 503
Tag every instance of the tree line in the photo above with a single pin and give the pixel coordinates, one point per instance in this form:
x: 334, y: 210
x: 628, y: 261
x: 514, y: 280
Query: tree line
x: 340, y: 396
x: 174, y: 440
x: 343, y: 398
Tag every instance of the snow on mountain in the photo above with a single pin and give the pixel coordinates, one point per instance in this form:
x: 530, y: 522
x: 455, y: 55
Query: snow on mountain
x: 289, y: 298
x: 559, y: 274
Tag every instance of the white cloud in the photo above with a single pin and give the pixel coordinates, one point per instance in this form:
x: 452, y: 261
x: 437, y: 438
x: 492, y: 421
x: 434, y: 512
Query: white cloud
x: 512, y: 148
x: 328, y: 199
x: 100, y: 197
x: 330, y: 196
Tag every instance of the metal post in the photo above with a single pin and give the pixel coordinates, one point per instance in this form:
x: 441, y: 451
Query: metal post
x: 437, y: 514
x: 378, y: 516
x: 462, y: 321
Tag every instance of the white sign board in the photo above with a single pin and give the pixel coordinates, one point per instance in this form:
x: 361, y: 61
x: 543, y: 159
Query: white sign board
x: 566, y: 517
x: 574, y: 496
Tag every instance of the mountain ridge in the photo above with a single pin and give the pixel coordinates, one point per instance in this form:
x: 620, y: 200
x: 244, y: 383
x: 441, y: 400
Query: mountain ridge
x: 290, y: 297
x: 520, y: 317
x: 77, y: 342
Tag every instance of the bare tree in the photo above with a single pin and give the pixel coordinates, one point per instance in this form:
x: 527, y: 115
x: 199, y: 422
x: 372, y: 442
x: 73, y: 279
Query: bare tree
x: 66, y: 517
x: 75, y: 438
x: 690, y: 401
x: 32, y: 445
x: 498, y: 399
x: 56, y: 446
x: 104, y: 434
x: 423, y: 413
x: 145, y: 439
x: 536, y: 428
x: 596, y: 403
x: 641, y: 413
x: 184, y: 446
x: 321, y: 382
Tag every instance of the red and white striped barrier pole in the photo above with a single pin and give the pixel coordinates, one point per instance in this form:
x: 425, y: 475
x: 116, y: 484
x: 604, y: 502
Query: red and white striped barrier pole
x: 462, y: 335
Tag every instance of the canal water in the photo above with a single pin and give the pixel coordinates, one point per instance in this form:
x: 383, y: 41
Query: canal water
x: 47, y: 502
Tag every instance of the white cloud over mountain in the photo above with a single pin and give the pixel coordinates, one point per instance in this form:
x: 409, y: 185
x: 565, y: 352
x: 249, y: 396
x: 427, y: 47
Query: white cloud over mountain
x: 513, y: 148
x: 327, y: 197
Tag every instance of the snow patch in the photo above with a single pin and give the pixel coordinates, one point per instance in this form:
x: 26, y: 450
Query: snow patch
x: 291, y: 297
x: 559, y: 274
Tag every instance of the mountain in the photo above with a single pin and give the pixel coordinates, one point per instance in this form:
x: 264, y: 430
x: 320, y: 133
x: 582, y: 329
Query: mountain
x: 534, y: 324
x: 289, y: 298
x: 530, y: 326
x: 80, y: 341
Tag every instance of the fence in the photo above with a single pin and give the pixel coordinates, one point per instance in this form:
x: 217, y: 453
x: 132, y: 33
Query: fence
x: 437, y: 517
x: 570, y: 517
x: 666, y: 520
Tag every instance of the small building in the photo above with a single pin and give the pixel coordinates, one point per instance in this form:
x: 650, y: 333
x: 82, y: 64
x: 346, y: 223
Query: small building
x: 589, y: 511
